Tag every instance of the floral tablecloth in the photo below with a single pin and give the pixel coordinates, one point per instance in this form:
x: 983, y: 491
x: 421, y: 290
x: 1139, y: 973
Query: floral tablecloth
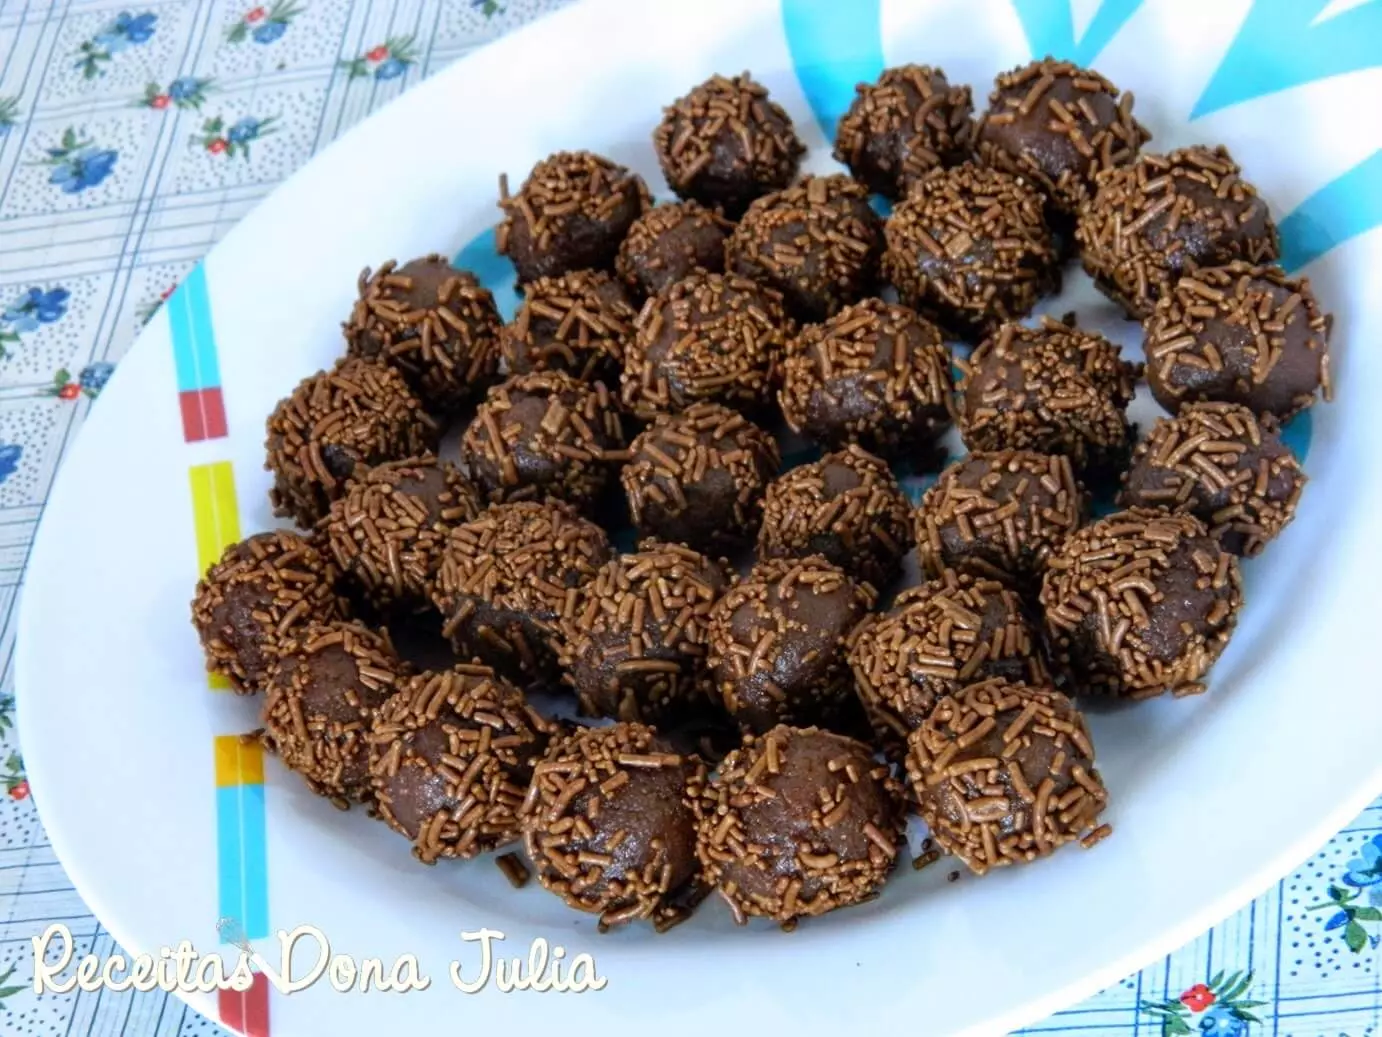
x: 131, y: 139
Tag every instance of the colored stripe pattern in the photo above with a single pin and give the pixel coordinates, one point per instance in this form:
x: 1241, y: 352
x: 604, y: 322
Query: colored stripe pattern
x: 247, y: 1012
x: 194, y: 360
x: 216, y: 518
x: 242, y: 860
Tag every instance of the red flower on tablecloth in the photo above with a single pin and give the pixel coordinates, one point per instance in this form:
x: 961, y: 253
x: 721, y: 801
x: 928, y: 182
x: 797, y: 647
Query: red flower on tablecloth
x: 379, y: 53
x: 20, y: 791
x: 159, y: 101
x: 1214, y: 1009
x: 216, y: 145
x: 1197, y: 998
x: 254, y: 15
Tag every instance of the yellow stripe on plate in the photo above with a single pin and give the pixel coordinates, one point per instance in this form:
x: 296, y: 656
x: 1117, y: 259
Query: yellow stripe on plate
x: 216, y: 519
x: 238, y: 762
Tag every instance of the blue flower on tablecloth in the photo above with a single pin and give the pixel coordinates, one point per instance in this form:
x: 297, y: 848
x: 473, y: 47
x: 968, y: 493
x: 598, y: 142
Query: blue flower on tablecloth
x: 93, y: 377
x: 1222, y: 1022
x: 244, y: 130
x: 264, y: 24
x: 10, y: 453
x: 387, y: 60
x: 390, y: 69
x: 83, y: 169
x: 184, y: 87
x: 36, y: 307
x: 1366, y: 868
x: 126, y: 30
x: 269, y: 31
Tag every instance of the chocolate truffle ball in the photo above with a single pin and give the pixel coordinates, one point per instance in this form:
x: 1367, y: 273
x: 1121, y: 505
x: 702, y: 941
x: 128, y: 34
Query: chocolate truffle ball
x: 817, y: 242
x: 505, y: 578
x: 544, y: 435
x: 579, y: 323
x: 725, y: 144
x: 777, y: 645
x: 450, y: 756
x: 697, y: 478
x: 799, y: 822
x: 386, y: 534
x: 999, y: 514
x: 321, y: 699
x: 1139, y: 603
x: 1223, y: 465
x: 970, y: 249
x: 260, y: 591
x: 610, y: 827
x: 903, y: 126
x: 1168, y: 215
x: 1054, y: 389
x: 1239, y: 334
x: 846, y: 507
x: 707, y: 337
x: 668, y: 242
x: 937, y: 638
x: 1058, y: 125
x: 1004, y: 773
x: 359, y: 413
x: 570, y: 214
x: 875, y: 374
x: 437, y: 325
x: 633, y: 645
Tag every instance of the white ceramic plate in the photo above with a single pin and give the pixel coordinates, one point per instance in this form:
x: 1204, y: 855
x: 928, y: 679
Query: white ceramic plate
x: 118, y: 723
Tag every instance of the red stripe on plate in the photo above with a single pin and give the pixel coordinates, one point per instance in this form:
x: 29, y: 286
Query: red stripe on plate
x: 214, y: 412
x: 247, y: 1012
x: 193, y: 421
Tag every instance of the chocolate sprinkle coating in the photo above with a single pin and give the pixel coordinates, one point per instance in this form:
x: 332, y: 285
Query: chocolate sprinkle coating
x: 1218, y: 462
x: 609, y: 824
x: 999, y: 514
x: 1052, y: 388
x: 1168, y: 215
x: 437, y: 325
x: 697, y: 478
x: 777, y: 645
x: 579, y: 323
x: 1139, y: 603
x: 799, y: 822
x: 1058, y: 125
x: 259, y: 592
x: 361, y: 412
x: 707, y: 337
x: 544, y: 435
x: 387, y: 532
x: 450, y: 756
x: 570, y: 214
x: 1004, y: 774
x: 875, y: 374
x: 633, y: 644
x: 1239, y: 334
x: 321, y: 700
x: 726, y: 143
x: 505, y: 578
x: 817, y: 242
x: 901, y: 127
x: 970, y: 249
x: 669, y: 242
x: 846, y: 507
x: 952, y: 631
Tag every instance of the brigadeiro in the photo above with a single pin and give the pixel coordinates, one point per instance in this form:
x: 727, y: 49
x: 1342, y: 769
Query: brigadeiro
x: 450, y: 757
x: 609, y: 824
x: 875, y: 374
x: 846, y: 507
x: 570, y: 214
x: 505, y: 578
x: 970, y: 249
x: 1004, y: 773
x: 938, y: 637
x: 799, y: 822
x: 697, y: 477
x: 1239, y: 334
x: 817, y: 242
x: 544, y: 435
x: 259, y: 592
x: 668, y: 242
x: 1139, y: 603
x: 432, y: 322
x: 1167, y: 215
x: 322, y: 695
x: 999, y: 514
x: 387, y: 532
x: 359, y: 413
x: 903, y: 126
x: 726, y: 143
x: 1225, y: 466
x: 579, y: 323
x: 1051, y: 388
x: 633, y: 642
x: 777, y: 645
x: 707, y: 337
x: 1059, y: 126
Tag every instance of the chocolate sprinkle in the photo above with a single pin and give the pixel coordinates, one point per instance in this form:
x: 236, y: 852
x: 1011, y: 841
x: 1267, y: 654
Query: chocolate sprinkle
x: 579, y: 323
x: 668, y: 242
x: 1004, y: 774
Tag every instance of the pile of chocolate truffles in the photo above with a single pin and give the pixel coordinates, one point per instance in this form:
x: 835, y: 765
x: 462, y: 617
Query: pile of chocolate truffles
x: 744, y: 701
